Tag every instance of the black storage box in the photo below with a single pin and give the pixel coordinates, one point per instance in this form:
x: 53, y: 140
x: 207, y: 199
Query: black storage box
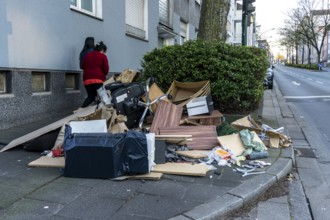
x: 104, y: 155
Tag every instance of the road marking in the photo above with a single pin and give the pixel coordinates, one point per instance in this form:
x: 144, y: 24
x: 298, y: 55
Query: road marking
x: 309, y: 78
x: 295, y: 83
x: 306, y: 97
x: 319, y: 82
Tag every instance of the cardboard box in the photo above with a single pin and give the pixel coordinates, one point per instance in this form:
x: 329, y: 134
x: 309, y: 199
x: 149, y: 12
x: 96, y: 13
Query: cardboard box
x: 183, y: 92
x: 200, y: 105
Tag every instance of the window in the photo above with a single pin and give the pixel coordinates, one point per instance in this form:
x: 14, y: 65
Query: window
x: 164, y: 11
x: 71, y: 81
x: 5, y: 83
x: 183, y: 32
x: 89, y: 7
x: 40, y: 82
x: 136, y: 18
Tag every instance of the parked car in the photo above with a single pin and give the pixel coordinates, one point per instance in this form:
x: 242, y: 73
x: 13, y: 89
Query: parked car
x: 269, y: 78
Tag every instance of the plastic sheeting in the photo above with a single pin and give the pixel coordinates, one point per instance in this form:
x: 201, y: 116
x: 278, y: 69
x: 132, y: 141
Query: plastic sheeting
x: 105, y: 155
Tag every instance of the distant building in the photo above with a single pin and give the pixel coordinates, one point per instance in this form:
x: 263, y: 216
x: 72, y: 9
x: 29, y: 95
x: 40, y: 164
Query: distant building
x: 41, y: 42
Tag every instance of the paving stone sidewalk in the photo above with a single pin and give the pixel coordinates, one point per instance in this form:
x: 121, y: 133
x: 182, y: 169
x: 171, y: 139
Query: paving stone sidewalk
x: 43, y: 193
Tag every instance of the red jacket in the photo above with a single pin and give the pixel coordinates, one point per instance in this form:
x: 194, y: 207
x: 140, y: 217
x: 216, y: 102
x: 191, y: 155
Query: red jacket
x: 96, y: 67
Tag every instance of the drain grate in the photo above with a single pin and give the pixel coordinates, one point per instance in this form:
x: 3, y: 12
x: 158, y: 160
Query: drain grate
x: 305, y: 152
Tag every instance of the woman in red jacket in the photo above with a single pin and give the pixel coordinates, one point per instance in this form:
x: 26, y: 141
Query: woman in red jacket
x: 96, y: 67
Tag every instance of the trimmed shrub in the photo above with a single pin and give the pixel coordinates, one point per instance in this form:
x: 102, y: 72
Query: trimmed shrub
x: 236, y: 73
x: 303, y: 66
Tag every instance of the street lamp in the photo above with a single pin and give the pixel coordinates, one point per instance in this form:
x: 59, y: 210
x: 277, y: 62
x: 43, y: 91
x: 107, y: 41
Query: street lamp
x: 259, y: 36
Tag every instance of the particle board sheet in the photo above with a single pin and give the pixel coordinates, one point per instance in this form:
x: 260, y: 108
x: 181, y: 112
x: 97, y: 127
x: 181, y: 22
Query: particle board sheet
x: 175, y: 139
x: 147, y: 176
x: 186, y: 169
x: 203, y: 137
x: 214, y: 119
x: 167, y: 115
x: 46, y: 161
x: 196, y: 154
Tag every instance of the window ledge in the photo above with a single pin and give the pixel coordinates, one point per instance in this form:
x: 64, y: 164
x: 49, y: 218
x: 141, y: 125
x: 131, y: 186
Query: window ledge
x: 6, y: 95
x: 69, y: 91
x: 41, y: 93
x: 136, y: 37
x: 85, y: 13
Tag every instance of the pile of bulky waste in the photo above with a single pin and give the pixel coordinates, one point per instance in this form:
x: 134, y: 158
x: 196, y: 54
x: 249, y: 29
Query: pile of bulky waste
x: 136, y: 130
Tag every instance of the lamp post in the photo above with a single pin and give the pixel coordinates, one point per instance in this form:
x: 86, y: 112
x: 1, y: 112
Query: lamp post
x: 259, y: 36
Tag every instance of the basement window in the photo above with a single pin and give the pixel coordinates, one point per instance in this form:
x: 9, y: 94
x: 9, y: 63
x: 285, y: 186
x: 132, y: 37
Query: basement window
x: 71, y: 81
x: 5, y: 82
x: 40, y: 82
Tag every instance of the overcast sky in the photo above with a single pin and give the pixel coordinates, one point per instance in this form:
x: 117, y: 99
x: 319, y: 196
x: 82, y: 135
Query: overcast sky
x: 271, y: 14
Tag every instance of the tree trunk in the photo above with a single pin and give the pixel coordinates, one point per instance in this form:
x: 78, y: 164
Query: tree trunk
x: 297, y: 58
x: 213, y: 20
x: 303, y: 55
x: 309, y: 55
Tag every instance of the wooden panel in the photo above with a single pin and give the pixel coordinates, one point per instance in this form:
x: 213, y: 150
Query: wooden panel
x: 182, y: 169
x: 203, y: 137
x: 167, y: 115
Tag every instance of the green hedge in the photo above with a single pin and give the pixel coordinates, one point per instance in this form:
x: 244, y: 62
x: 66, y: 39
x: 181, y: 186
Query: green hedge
x: 236, y: 73
x: 303, y: 66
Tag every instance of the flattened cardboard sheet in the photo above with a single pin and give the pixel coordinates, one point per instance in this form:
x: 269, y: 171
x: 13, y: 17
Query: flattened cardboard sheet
x: 233, y: 143
x: 34, y: 134
x: 182, y: 169
x: 45, y: 161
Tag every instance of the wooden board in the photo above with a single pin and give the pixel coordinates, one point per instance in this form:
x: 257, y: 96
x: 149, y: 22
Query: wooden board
x: 45, y: 161
x: 34, y: 134
x: 196, y: 154
x: 203, y: 137
x: 148, y: 176
x: 186, y: 169
x: 167, y: 115
x: 175, y: 139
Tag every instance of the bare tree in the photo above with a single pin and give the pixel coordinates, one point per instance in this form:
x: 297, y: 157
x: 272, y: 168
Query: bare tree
x: 313, y: 17
x: 213, y: 21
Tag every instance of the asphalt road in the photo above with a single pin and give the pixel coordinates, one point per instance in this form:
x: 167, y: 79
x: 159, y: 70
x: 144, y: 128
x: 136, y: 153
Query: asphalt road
x: 307, y: 94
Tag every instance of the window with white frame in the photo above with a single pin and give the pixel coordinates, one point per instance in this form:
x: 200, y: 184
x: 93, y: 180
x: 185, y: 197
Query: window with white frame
x: 136, y: 18
x: 183, y: 32
x: 164, y: 11
x: 89, y: 7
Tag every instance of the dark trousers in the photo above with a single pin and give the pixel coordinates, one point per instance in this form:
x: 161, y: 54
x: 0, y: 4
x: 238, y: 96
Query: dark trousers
x: 91, y: 90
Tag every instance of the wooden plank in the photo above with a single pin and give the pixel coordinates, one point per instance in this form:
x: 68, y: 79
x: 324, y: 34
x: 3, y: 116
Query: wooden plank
x: 196, y: 154
x: 182, y: 169
x: 148, y: 176
x: 45, y: 161
x: 203, y: 137
x: 167, y: 115
x: 34, y: 134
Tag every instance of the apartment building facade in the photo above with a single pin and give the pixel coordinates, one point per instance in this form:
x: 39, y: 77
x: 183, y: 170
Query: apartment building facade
x: 41, y: 41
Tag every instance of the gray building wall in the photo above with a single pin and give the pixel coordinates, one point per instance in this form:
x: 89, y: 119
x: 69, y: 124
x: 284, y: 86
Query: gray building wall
x: 47, y: 36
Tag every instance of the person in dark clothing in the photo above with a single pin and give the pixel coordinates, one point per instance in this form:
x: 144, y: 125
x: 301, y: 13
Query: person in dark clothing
x: 96, y: 67
x: 88, y: 47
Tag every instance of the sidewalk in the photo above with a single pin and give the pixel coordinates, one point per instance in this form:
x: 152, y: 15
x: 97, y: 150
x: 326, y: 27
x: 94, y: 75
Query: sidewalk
x: 43, y: 193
